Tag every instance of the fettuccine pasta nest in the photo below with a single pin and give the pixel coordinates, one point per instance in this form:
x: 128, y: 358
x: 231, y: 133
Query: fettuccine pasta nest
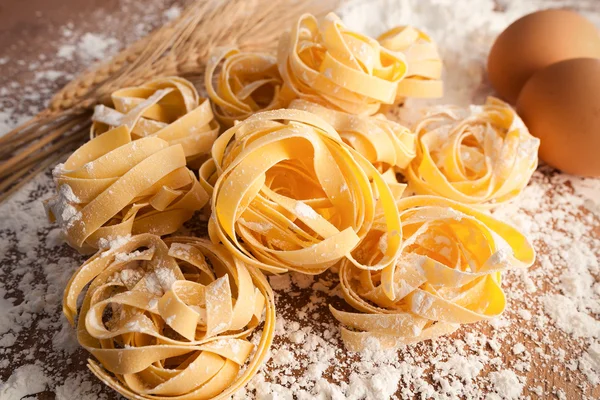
x: 168, y: 108
x: 113, y: 186
x: 388, y: 145
x: 303, y: 189
x: 448, y: 274
x: 290, y: 195
x: 481, y: 155
x: 424, y: 76
x: 171, y: 320
x: 246, y: 83
x: 326, y: 63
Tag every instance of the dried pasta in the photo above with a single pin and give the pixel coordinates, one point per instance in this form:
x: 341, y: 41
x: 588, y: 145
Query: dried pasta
x: 448, y: 273
x: 324, y: 62
x: 386, y: 144
x: 297, y: 196
x: 481, y: 155
x: 168, y: 108
x: 113, y: 186
x: 424, y: 76
x: 303, y: 179
x: 247, y: 83
x: 171, y: 320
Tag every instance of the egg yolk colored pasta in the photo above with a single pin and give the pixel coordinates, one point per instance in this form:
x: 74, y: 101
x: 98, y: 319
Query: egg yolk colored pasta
x: 171, y: 320
x: 424, y: 76
x: 480, y: 155
x: 448, y: 273
x: 304, y: 188
x: 246, y: 83
x: 326, y: 63
x: 113, y: 186
x: 291, y: 195
x: 385, y: 143
x: 167, y: 108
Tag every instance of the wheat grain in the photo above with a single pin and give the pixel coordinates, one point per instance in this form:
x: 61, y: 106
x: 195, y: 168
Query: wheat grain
x: 180, y: 47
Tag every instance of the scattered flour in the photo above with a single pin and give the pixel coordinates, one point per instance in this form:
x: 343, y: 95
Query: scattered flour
x: 568, y: 318
x: 280, y: 282
x: 507, y: 384
x: 589, y: 363
x: 78, y: 386
x: 304, y: 211
x: 93, y: 47
x: 25, y: 381
x: 34, y: 263
x: 65, y: 339
x: 87, y: 48
x: 172, y: 13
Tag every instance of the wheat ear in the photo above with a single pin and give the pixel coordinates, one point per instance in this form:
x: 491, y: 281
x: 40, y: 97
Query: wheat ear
x: 180, y: 47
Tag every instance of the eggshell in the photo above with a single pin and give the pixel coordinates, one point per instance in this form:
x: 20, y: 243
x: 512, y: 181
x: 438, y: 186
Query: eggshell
x: 560, y: 104
x: 535, y: 41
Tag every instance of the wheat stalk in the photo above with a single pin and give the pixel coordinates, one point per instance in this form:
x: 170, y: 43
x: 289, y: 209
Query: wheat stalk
x: 181, y: 47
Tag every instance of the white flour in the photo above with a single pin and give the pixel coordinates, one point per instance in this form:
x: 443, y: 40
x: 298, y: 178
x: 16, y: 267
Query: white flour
x: 551, y: 324
x: 25, y: 381
x: 90, y: 47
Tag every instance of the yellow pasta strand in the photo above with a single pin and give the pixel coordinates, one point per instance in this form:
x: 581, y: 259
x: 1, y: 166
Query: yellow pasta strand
x: 168, y: 108
x: 171, y: 320
x: 326, y: 63
x: 424, y: 76
x: 303, y: 188
x: 246, y: 83
x: 113, y: 186
x: 447, y: 274
x: 296, y: 195
x: 481, y: 155
x: 386, y: 144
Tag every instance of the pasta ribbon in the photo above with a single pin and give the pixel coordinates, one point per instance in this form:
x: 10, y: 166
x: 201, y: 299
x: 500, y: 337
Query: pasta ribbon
x: 448, y: 273
x: 481, y: 155
x: 386, y: 144
x: 113, y: 186
x: 424, y: 76
x: 171, y: 320
x: 326, y: 63
x: 297, y: 196
x: 168, y: 108
x: 247, y: 83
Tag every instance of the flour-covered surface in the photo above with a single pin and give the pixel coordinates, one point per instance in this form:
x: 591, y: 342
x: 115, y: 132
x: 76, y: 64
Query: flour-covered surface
x: 547, y: 344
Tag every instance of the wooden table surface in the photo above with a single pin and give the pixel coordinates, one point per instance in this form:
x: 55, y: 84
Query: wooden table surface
x: 29, y: 33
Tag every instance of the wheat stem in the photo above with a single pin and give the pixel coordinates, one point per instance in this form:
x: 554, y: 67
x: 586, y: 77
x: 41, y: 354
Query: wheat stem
x: 8, y: 166
x: 180, y: 47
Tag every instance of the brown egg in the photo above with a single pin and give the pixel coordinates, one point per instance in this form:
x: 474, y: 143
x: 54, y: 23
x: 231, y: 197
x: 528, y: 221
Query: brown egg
x: 535, y: 41
x: 560, y: 104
